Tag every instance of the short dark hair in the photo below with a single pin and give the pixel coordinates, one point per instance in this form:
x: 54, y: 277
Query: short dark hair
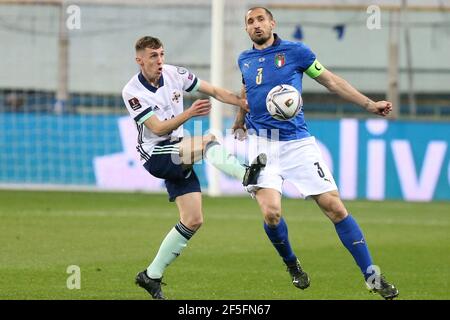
x: 148, y: 42
x: 264, y: 8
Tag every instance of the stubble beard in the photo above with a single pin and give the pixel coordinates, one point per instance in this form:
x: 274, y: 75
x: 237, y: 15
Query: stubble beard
x: 260, y: 40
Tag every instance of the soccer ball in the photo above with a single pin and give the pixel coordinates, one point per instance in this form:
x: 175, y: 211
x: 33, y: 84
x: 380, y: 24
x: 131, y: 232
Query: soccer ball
x: 284, y: 102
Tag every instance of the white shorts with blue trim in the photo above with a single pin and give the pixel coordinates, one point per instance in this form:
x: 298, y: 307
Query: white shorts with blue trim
x: 299, y: 162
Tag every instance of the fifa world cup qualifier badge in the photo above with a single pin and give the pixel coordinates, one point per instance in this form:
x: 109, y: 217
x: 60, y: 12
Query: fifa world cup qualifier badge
x: 134, y: 103
x: 280, y: 60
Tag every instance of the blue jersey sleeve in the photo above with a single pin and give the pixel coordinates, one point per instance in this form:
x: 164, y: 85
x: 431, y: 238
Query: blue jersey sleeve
x: 305, y: 56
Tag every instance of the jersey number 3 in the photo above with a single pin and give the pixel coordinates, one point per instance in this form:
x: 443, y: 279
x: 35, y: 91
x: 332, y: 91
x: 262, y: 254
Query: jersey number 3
x: 259, y: 76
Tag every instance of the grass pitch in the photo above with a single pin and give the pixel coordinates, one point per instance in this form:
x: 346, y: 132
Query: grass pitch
x: 112, y: 236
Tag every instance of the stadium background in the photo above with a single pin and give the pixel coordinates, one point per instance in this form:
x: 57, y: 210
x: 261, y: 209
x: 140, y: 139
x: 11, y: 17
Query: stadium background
x: 64, y: 126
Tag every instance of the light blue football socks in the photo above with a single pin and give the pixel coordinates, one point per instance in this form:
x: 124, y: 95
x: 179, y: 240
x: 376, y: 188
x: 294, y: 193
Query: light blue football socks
x: 171, y: 247
x: 219, y: 157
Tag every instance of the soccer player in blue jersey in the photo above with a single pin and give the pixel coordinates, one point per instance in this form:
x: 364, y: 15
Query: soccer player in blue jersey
x: 295, y: 156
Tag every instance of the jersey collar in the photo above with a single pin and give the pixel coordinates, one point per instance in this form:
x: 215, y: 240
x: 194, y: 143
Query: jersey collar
x: 147, y: 84
x: 276, y: 42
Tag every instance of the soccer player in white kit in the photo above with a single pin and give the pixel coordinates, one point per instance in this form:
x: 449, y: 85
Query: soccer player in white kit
x: 292, y: 153
x: 154, y: 99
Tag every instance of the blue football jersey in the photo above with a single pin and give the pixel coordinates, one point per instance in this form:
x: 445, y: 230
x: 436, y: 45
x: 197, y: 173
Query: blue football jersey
x: 282, y: 63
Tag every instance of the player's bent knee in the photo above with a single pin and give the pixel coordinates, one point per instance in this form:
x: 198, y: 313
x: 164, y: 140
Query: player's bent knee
x: 332, y: 206
x: 272, y: 220
x: 337, y: 212
x: 339, y: 209
x: 339, y: 216
x: 208, y: 141
x: 272, y: 214
x: 194, y: 223
x: 209, y: 138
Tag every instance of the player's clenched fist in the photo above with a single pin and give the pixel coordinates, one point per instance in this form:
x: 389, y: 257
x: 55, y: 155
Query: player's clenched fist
x: 382, y: 108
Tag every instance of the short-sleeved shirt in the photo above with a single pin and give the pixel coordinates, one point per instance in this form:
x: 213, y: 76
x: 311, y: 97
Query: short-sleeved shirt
x: 144, y: 101
x: 282, y: 63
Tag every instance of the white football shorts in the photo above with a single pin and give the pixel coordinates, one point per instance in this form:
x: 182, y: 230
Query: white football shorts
x: 298, y: 161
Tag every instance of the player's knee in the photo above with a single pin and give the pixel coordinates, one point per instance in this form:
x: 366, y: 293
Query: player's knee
x: 332, y: 206
x: 337, y: 211
x: 208, y: 138
x: 272, y: 213
x: 195, y: 226
x: 340, y: 215
x: 194, y: 223
x: 208, y: 141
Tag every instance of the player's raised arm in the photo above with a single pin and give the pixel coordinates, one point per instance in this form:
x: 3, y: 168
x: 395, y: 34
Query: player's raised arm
x: 345, y: 90
x: 222, y: 95
x: 160, y: 128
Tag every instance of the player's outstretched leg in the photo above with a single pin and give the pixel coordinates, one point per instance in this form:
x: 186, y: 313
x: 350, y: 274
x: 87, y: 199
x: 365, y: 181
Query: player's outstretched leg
x: 278, y: 235
x: 269, y: 201
x: 353, y: 239
x: 171, y: 247
x: 219, y: 157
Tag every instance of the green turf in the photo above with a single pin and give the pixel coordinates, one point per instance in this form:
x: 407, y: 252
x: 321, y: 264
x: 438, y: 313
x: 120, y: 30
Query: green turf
x: 112, y: 236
